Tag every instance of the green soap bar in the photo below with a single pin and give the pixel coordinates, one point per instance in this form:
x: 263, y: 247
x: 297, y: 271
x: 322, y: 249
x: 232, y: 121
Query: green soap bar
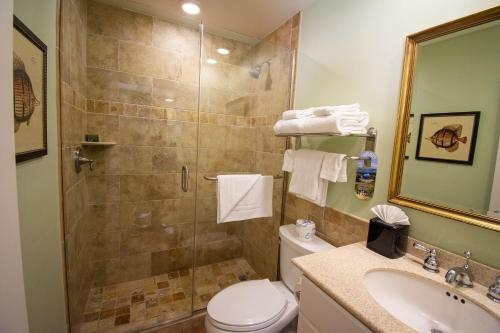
x: 91, y: 137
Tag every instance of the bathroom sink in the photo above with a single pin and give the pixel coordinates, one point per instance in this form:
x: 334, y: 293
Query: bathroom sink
x: 427, y: 306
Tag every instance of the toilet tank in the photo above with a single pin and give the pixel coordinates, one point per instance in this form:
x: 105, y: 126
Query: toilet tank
x: 291, y: 247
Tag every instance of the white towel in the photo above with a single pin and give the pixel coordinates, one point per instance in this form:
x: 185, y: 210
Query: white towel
x: 345, y: 123
x: 331, y: 109
x: 297, y: 114
x: 243, y: 197
x: 305, y: 182
x: 334, y: 168
x: 288, y: 160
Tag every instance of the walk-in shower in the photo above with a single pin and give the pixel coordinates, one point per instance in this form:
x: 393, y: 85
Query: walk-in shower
x: 142, y: 245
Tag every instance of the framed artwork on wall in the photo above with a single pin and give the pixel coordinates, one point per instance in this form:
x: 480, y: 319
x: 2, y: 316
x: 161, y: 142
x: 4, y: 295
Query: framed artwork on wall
x: 448, y: 137
x: 30, y: 93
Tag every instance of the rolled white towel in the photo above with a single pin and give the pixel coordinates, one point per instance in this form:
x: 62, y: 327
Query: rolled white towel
x: 288, y: 126
x: 322, y: 111
x: 344, y: 124
x: 297, y: 114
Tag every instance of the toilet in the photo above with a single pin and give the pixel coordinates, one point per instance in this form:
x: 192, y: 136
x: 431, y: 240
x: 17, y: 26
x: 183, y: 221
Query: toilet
x: 260, y: 305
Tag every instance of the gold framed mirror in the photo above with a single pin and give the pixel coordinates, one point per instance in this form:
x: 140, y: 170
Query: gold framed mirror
x: 450, y: 92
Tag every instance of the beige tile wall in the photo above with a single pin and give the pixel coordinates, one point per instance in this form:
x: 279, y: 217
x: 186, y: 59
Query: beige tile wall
x: 73, y: 121
x: 272, y: 97
x: 130, y: 73
x: 129, y: 219
x: 140, y: 222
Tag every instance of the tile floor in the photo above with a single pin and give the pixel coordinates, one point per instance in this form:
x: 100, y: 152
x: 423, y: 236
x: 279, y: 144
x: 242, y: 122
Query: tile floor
x: 141, y: 304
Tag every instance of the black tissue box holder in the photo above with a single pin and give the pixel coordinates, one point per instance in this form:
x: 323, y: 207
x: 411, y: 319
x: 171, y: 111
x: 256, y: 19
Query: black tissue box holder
x: 386, y: 239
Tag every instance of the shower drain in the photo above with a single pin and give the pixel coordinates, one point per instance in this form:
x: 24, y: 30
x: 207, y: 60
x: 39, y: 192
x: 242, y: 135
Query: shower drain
x: 435, y: 330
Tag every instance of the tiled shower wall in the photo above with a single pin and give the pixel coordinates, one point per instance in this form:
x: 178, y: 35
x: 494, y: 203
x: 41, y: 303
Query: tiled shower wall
x: 128, y: 218
x: 73, y: 121
x: 272, y: 97
x: 142, y: 221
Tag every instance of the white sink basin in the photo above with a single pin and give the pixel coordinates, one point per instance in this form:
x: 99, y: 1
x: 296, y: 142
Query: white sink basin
x: 427, y: 306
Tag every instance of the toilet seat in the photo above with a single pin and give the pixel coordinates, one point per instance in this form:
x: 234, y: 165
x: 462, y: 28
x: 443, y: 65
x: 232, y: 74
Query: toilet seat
x: 247, y: 306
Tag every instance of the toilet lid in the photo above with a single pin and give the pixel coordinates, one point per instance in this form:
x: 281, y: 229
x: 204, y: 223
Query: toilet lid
x: 247, y: 303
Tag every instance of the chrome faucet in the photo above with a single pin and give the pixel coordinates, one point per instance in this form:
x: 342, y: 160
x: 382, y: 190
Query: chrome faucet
x: 494, y: 291
x: 431, y: 263
x: 461, y: 276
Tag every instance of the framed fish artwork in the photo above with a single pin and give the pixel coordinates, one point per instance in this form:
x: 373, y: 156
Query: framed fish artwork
x: 448, y: 137
x: 30, y: 93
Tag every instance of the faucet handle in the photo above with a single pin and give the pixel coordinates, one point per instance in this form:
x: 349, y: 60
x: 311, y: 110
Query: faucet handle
x: 494, y: 291
x: 468, y: 255
x: 431, y: 263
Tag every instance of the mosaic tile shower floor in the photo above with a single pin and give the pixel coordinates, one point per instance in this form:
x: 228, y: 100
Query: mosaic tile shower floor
x: 145, y: 303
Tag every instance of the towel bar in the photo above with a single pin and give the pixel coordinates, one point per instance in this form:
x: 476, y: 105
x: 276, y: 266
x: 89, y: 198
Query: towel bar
x: 215, y: 178
x: 356, y: 158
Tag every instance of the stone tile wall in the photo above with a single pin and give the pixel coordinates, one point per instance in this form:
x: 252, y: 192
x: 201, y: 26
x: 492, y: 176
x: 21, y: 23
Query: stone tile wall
x: 140, y: 222
x: 336, y: 227
x: 271, y: 98
x: 128, y: 219
x: 73, y: 121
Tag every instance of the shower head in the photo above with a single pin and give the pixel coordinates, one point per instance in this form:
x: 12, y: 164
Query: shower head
x: 255, y: 72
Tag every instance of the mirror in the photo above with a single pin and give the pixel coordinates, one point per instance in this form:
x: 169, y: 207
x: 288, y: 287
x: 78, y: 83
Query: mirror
x: 446, y: 155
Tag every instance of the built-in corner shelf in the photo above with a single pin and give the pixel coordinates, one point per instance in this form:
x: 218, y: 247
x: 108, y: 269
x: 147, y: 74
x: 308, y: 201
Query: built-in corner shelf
x: 102, y: 144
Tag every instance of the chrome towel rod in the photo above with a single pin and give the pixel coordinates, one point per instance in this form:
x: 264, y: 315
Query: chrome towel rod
x: 215, y: 178
x: 356, y: 158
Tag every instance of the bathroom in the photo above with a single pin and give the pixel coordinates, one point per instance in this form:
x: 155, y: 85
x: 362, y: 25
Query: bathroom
x: 111, y: 217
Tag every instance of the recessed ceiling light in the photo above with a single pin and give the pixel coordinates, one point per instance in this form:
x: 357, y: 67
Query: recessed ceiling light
x: 169, y: 100
x: 191, y: 8
x: 223, y: 51
x: 211, y: 61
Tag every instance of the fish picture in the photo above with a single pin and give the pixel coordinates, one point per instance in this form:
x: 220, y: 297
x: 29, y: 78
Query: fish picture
x: 448, y: 137
x: 25, y: 100
x: 29, y: 93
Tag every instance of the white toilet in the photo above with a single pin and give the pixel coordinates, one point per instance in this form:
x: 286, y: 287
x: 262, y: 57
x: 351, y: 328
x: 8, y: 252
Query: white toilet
x: 260, y: 305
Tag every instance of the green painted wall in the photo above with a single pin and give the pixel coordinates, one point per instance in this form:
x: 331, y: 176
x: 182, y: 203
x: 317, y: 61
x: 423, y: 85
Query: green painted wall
x: 353, y: 51
x: 457, y: 75
x: 38, y: 194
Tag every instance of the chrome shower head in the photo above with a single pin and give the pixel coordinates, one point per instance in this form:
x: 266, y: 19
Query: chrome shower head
x: 255, y: 72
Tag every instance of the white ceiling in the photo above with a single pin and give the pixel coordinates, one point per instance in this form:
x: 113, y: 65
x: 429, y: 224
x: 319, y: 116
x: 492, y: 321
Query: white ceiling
x: 245, y: 20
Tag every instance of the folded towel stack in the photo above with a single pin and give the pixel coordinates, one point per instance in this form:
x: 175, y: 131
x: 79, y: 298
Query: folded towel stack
x: 311, y: 172
x: 342, y: 119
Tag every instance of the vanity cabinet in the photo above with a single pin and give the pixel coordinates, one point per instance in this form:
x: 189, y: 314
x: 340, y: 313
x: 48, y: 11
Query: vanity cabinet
x: 319, y: 313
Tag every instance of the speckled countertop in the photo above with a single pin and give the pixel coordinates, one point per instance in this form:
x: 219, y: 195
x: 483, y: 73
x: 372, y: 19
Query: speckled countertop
x: 340, y: 274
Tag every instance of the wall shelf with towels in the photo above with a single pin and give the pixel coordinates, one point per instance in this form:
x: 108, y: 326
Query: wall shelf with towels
x: 370, y: 136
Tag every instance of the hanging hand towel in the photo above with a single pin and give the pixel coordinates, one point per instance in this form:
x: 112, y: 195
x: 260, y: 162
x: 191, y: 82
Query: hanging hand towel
x: 288, y: 160
x: 243, y: 197
x: 334, y: 168
x: 305, y: 182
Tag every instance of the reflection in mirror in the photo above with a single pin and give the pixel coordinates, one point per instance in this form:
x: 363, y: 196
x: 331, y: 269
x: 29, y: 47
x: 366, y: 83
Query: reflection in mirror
x: 447, y: 148
x: 453, y: 145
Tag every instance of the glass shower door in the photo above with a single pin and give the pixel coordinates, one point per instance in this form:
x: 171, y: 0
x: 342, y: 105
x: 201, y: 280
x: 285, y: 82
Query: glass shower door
x: 243, y: 88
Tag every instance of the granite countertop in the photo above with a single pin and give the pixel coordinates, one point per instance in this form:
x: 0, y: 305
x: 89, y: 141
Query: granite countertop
x: 340, y: 273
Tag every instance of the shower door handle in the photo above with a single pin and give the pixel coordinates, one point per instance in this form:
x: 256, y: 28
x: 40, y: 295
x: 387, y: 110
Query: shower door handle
x: 185, y: 178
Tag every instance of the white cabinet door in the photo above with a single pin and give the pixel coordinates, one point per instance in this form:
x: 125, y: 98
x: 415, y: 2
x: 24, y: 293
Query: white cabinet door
x: 319, y: 313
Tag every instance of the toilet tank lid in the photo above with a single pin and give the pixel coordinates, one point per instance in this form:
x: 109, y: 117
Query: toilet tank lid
x: 316, y: 244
